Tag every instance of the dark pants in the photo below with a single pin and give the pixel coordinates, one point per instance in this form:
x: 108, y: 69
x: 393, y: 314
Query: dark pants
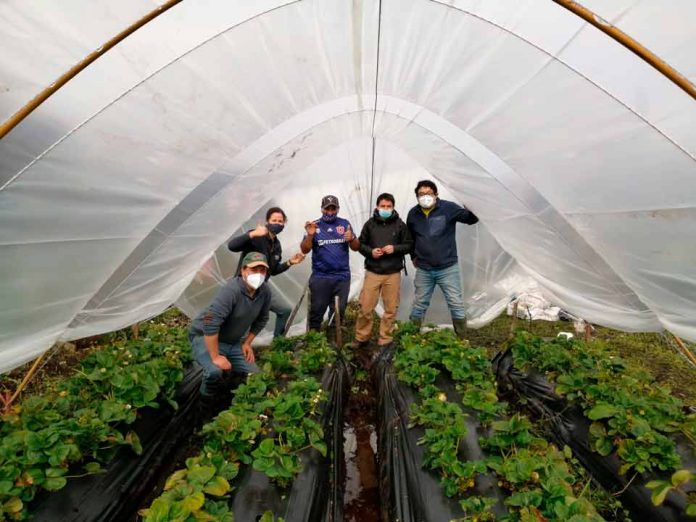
x: 322, y: 294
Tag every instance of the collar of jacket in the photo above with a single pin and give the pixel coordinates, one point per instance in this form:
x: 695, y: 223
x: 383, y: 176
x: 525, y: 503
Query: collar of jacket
x: 432, y: 209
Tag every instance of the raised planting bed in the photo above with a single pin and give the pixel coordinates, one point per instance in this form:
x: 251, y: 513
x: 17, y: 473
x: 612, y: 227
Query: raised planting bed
x: 491, y: 464
x: 632, y: 434
x: 276, y: 452
x: 91, y: 437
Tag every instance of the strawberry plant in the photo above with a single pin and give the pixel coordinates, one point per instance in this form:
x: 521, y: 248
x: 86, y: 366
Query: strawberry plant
x: 72, y: 429
x: 678, y: 483
x: 633, y: 416
x: 540, y: 482
x: 272, y: 418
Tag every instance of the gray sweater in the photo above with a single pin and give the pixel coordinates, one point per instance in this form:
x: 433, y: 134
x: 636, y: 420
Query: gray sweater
x: 234, y: 312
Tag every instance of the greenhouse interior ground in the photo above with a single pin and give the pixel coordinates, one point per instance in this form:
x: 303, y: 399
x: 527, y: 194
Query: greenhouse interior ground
x: 556, y: 382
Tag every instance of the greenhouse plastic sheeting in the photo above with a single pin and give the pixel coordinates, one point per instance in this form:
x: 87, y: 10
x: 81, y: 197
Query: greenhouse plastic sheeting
x: 578, y: 157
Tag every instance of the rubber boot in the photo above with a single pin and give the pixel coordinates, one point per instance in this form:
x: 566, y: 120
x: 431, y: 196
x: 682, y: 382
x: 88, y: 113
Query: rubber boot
x: 459, y: 328
x: 416, y: 321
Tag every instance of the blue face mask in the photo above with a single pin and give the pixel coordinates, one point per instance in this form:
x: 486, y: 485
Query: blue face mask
x: 384, y: 214
x: 328, y: 218
x: 275, y: 228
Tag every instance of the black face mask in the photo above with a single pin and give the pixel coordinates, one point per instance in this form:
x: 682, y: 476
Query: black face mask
x: 275, y: 228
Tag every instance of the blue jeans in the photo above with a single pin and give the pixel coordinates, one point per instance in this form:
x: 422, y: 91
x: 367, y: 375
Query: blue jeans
x: 449, y: 282
x: 282, y: 310
x: 212, y: 375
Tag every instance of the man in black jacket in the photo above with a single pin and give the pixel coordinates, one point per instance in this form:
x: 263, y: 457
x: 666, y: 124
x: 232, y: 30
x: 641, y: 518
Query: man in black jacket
x: 433, y: 226
x: 384, y: 241
x: 264, y: 239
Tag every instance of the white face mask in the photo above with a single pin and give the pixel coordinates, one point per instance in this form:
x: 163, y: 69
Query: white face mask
x: 255, y: 280
x: 426, y: 201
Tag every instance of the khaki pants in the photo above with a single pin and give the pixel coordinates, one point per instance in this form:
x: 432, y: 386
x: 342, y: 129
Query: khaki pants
x: 389, y: 286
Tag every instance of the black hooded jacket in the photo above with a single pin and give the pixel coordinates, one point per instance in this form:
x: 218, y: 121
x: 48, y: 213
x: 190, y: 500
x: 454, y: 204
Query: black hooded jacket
x: 379, y: 232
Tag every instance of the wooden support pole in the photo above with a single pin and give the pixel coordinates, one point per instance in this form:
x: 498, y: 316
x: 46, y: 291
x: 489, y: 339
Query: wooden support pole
x: 337, y: 320
x: 685, y: 350
x: 25, y: 381
x: 513, y: 324
x: 588, y: 332
x: 295, y: 310
x: 309, y: 307
x: 30, y: 106
x: 632, y: 45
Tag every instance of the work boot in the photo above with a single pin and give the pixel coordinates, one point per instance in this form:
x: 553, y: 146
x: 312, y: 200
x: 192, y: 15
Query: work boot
x: 206, y: 408
x: 357, y: 345
x: 418, y: 322
x: 459, y: 328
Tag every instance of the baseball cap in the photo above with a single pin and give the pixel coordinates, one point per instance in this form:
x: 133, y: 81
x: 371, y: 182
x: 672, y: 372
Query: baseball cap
x: 327, y: 201
x: 253, y: 259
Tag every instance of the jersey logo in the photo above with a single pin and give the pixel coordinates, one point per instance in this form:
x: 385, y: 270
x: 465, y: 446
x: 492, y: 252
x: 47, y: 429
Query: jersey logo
x: 330, y: 230
x: 341, y: 229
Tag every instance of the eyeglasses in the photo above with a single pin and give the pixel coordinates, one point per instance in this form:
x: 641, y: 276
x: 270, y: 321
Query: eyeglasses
x: 429, y: 193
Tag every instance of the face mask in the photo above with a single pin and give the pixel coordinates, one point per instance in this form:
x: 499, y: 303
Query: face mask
x: 384, y: 213
x: 426, y: 201
x: 275, y: 228
x: 255, y: 280
x: 328, y: 218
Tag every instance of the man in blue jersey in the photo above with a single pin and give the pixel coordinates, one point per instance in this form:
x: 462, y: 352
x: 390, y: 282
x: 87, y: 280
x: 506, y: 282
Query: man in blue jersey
x: 328, y: 238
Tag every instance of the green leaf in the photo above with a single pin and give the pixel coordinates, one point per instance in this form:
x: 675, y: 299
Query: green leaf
x: 681, y: 477
x: 659, y: 494
x: 158, y: 511
x: 55, y: 472
x: 602, y: 411
x: 691, y: 510
x: 201, y: 474
x: 134, y: 441
x: 14, y: 505
x: 92, y: 467
x: 217, y: 487
x: 54, y: 484
x: 174, y: 478
x: 320, y: 447
x: 193, y: 502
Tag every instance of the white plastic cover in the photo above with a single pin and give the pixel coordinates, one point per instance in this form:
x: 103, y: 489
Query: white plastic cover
x: 578, y: 157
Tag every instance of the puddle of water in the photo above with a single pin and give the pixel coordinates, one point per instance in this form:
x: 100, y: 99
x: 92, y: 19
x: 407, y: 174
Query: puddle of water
x: 361, y: 494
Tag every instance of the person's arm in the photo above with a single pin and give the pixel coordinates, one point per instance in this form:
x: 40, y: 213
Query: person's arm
x: 406, y: 244
x: 258, y: 325
x: 215, y: 315
x: 310, y: 229
x: 364, y: 240
x: 240, y: 242
x: 410, y: 227
x: 351, y: 238
x: 213, y: 346
x: 247, y: 350
x: 464, y: 215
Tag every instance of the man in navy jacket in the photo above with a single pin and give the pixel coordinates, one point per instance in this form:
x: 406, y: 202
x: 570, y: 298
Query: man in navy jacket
x: 432, y: 224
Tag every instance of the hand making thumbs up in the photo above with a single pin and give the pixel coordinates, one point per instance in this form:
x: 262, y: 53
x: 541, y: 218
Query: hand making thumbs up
x: 348, y: 236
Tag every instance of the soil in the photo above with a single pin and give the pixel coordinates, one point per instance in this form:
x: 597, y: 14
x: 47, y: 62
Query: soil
x: 361, y: 493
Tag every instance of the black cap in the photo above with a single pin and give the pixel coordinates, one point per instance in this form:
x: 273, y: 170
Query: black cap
x: 328, y: 201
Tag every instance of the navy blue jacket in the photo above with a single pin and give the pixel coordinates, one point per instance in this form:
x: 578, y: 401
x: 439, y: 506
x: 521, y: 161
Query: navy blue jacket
x: 435, y: 246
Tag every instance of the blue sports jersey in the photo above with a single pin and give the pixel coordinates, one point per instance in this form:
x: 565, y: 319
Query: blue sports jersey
x: 330, y: 250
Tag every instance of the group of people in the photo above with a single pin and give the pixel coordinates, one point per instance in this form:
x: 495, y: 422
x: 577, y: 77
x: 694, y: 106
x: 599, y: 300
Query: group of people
x: 221, y: 335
